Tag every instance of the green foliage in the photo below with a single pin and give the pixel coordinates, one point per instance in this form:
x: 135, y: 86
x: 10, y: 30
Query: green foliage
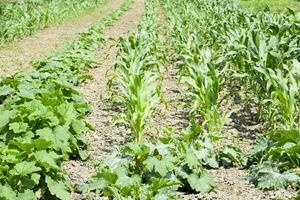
x: 152, y: 171
x: 42, y: 119
x: 139, y: 61
x: 42, y: 127
x: 160, y: 169
x: 268, y: 177
x: 22, y: 18
x: 205, y: 83
x: 229, y: 156
x: 219, y: 45
x: 261, y: 50
x: 200, y: 66
x: 273, y: 5
x: 140, y: 97
x: 275, y: 160
x: 296, y: 197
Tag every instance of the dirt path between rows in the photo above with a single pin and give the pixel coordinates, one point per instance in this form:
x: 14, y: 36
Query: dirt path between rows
x: 105, y: 137
x: 18, y: 55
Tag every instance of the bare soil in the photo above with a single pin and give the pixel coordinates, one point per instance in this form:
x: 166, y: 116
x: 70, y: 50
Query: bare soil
x: 17, y: 56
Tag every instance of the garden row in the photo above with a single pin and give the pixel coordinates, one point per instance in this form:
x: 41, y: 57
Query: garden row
x: 22, y: 18
x: 220, y: 52
x: 220, y: 47
x: 152, y: 168
x: 42, y: 118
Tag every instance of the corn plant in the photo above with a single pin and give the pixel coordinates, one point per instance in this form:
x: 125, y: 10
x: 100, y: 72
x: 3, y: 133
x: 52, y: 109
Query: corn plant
x: 139, y: 63
x: 198, y: 67
x: 283, y: 90
x: 205, y: 82
x: 139, y: 94
x: 273, y: 74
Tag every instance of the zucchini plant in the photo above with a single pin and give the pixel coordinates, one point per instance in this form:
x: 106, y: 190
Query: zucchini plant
x: 42, y: 119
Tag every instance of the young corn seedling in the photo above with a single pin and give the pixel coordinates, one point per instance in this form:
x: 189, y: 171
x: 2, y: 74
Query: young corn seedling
x: 276, y: 79
x: 283, y: 90
x: 196, y: 64
x: 139, y: 64
x: 205, y: 82
x: 139, y: 94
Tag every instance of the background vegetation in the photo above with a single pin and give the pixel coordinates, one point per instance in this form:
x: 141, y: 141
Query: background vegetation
x: 22, y: 18
x: 274, y: 5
